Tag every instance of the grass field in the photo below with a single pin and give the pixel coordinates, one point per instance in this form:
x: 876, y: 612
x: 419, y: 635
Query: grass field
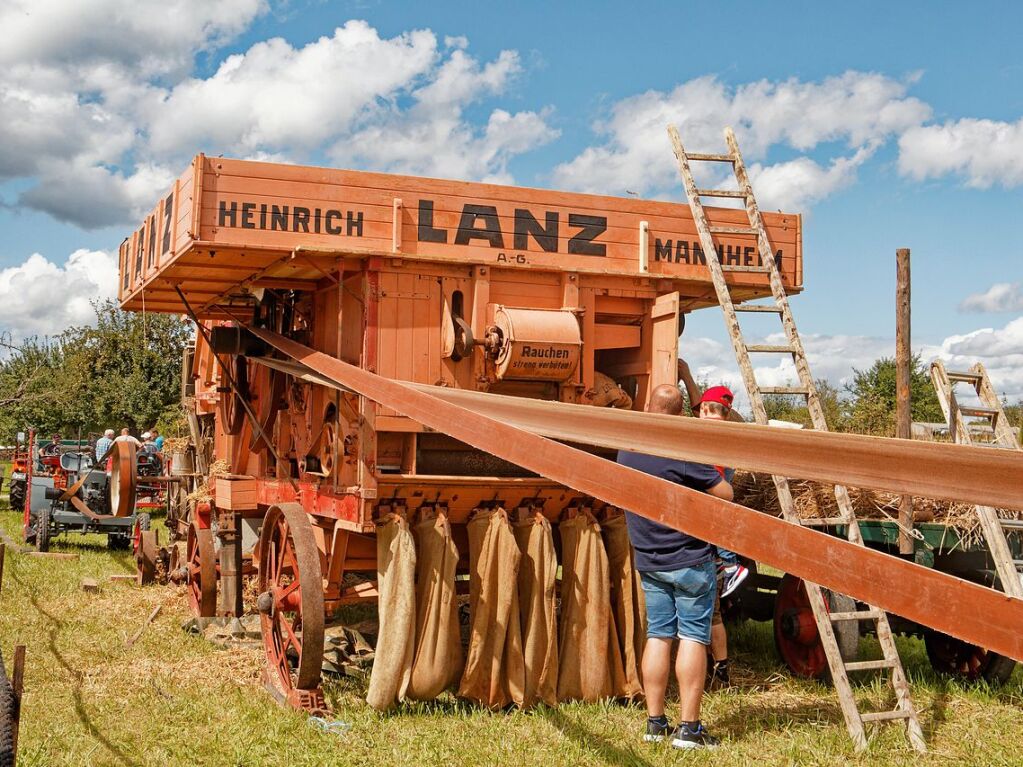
x: 173, y: 698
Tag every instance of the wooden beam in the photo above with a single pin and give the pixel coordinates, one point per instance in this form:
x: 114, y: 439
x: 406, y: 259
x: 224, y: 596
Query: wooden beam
x: 964, y: 610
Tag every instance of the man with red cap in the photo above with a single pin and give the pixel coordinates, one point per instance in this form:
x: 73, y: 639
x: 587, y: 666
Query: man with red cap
x: 716, y: 404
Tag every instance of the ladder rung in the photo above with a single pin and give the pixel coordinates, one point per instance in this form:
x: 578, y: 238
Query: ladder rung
x: 1011, y: 524
x: 756, y: 307
x: 823, y: 521
x: 970, y: 378
x: 976, y: 410
x: 783, y: 390
x: 709, y: 157
x: 757, y: 269
x: 769, y: 349
x: 720, y: 193
x: 855, y: 615
x: 979, y: 428
x: 884, y: 716
x: 869, y: 665
x: 733, y: 230
x: 1018, y: 562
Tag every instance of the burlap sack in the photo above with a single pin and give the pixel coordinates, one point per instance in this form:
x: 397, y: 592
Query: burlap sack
x: 396, y: 568
x: 537, y: 602
x: 494, y: 673
x: 590, y: 666
x: 627, y: 603
x: 438, y: 658
x: 607, y: 393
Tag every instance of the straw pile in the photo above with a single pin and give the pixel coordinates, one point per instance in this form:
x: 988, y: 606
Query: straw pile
x: 204, y: 492
x: 815, y: 499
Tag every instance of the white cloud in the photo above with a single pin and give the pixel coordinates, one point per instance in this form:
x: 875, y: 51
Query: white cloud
x: 100, y: 120
x: 39, y: 297
x: 834, y: 358
x: 154, y: 37
x: 859, y: 109
x: 983, y: 152
x: 91, y: 196
x: 1000, y: 297
x: 799, y: 183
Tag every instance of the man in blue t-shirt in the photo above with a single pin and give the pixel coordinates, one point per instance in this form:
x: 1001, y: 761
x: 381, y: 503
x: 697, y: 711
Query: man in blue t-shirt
x: 678, y: 575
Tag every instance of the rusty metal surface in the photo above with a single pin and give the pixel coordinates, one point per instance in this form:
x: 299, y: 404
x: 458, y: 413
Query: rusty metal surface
x: 122, y: 479
x: 964, y: 610
x: 202, y: 571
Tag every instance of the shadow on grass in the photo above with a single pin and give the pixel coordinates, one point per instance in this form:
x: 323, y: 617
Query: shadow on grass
x: 57, y: 626
x: 600, y: 747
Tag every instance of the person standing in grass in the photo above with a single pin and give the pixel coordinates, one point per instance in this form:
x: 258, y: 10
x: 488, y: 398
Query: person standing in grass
x: 677, y: 572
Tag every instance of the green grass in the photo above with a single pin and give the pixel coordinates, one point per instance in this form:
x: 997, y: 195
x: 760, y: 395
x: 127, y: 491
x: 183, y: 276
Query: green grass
x: 174, y: 699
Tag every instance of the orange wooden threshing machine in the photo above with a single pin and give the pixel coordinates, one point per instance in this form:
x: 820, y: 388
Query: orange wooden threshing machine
x: 378, y: 358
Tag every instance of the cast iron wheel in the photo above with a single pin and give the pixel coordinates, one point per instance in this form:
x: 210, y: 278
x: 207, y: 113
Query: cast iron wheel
x: 968, y: 662
x: 202, y: 571
x: 145, y: 558
x: 7, y: 717
x: 795, y: 630
x: 232, y: 412
x: 17, y: 496
x: 43, y: 529
x: 290, y: 601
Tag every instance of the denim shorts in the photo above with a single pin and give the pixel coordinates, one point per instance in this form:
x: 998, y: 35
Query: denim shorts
x: 680, y: 603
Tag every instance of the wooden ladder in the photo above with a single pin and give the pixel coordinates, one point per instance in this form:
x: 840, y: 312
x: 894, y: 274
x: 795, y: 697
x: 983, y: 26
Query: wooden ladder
x: 987, y: 427
x: 855, y: 720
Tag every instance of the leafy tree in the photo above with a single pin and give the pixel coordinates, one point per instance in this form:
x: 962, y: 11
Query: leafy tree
x: 123, y: 371
x: 870, y: 408
x: 793, y: 408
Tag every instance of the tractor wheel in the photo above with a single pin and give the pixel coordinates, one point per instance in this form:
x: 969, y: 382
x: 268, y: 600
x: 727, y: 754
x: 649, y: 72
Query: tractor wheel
x: 17, y: 496
x: 8, y: 714
x: 43, y: 529
x: 290, y: 603
x: 795, y: 630
x: 954, y: 657
x: 202, y: 571
x: 144, y: 521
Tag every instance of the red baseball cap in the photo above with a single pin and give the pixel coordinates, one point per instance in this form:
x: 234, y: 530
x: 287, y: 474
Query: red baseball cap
x: 720, y: 394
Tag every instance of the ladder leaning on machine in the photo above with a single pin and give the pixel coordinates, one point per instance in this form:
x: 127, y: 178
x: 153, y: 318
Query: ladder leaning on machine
x: 854, y: 719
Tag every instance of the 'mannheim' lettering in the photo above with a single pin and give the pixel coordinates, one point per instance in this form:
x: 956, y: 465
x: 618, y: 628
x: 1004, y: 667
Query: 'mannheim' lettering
x: 284, y: 218
x: 685, y: 252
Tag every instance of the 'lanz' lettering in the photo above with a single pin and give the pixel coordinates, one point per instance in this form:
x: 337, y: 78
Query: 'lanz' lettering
x: 482, y: 225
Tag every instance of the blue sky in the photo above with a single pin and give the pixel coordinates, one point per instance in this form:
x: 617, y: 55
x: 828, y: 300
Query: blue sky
x: 887, y: 125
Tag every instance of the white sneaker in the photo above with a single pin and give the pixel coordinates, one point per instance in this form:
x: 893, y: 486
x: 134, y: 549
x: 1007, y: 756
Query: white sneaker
x: 733, y: 578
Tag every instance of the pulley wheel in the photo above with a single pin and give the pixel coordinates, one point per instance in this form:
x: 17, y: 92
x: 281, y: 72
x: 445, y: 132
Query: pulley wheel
x: 145, y: 558
x: 202, y: 571
x: 232, y: 412
x: 290, y: 600
x: 123, y: 479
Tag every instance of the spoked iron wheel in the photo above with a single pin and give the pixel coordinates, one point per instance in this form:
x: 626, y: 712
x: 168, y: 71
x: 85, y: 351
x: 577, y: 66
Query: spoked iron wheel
x: 202, y: 571
x: 291, y: 606
x: 795, y: 630
x: 968, y: 662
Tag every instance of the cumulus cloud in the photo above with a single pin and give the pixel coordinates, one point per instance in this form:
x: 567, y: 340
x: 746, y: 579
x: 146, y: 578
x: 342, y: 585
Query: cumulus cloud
x: 86, y: 93
x: 834, y: 358
x: 982, y: 152
x: 40, y: 297
x: 857, y: 109
x: 1000, y: 297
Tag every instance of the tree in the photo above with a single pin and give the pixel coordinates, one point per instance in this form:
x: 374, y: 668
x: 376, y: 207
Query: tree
x: 870, y: 408
x: 123, y: 371
x: 792, y: 407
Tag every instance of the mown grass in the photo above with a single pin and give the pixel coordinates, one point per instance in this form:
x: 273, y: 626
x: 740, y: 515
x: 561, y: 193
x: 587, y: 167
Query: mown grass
x: 173, y: 698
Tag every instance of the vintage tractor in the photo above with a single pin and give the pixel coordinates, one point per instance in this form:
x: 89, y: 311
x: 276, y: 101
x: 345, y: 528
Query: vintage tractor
x: 80, y: 496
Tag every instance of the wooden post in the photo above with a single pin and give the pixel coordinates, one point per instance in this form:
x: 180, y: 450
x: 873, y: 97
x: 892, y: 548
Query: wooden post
x: 903, y: 365
x: 3, y: 551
